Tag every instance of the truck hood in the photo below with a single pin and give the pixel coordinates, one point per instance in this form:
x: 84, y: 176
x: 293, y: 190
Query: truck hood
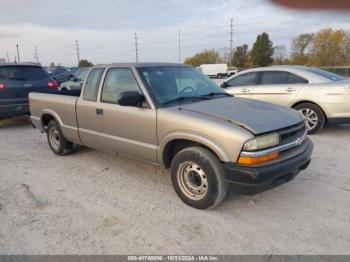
x: 256, y: 116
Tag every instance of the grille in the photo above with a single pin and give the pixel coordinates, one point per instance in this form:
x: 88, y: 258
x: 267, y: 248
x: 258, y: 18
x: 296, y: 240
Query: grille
x: 291, y: 133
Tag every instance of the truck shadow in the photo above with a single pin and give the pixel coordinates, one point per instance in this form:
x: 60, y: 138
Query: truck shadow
x: 22, y: 121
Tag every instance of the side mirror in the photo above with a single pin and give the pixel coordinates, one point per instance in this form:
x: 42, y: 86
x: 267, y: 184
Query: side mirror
x: 130, y: 98
x: 224, y: 85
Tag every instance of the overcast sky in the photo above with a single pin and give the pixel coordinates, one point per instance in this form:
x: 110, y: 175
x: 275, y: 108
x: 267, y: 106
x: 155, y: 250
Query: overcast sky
x: 105, y: 28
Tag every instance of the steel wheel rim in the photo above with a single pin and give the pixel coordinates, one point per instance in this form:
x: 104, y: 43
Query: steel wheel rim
x: 192, y: 180
x: 54, y: 138
x: 311, y: 118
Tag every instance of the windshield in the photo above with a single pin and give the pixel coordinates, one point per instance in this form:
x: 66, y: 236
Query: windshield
x: 326, y: 74
x: 179, y: 83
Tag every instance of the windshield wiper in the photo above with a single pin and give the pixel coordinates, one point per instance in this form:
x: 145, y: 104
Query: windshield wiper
x: 212, y: 94
x: 182, y: 98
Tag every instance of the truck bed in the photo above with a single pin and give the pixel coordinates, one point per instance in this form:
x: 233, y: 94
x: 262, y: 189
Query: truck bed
x: 61, y: 106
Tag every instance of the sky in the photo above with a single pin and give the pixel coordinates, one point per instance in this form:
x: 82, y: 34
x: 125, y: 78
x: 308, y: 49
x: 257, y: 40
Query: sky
x: 105, y: 29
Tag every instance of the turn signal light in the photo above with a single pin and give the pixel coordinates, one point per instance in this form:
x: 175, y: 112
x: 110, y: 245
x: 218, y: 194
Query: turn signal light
x: 247, y: 160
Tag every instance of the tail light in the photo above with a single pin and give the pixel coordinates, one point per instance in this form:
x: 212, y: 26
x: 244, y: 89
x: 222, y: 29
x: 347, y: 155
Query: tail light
x: 53, y: 84
x: 2, y: 86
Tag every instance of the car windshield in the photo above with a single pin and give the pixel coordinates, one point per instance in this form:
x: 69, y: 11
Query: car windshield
x: 326, y: 74
x: 175, y: 84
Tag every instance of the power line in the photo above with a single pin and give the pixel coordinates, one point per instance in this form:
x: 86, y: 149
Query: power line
x: 18, y: 57
x: 179, y: 46
x: 36, y: 57
x: 78, y: 55
x: 136, y: 49
x: 231, y: 40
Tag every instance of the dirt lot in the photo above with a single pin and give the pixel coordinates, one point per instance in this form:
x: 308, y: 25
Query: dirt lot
x: 94, y: 203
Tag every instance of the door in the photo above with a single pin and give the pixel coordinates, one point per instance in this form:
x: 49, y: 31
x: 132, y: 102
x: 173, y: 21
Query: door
x: 242, y: 85
x: 129, y: 130
x: 279, y: 87
x: 87, y: 114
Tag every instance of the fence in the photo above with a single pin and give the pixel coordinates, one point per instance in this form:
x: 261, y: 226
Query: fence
x: 340, y: 70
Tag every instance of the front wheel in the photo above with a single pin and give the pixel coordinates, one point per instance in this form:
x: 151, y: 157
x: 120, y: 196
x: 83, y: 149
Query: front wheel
x: 58, y: 143
x: 198, y: 178
x: 315, y: 118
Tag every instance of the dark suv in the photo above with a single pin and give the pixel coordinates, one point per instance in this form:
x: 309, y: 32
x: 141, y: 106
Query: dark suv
x: 16, y: 81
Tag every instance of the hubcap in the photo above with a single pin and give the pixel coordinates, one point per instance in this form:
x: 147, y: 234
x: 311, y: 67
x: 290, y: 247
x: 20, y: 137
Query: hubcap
x: 311, y: 118
x: 192, y: 180
x: 54, y: 138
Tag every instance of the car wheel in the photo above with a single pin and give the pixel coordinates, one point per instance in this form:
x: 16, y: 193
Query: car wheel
x: 198, y: 178
x: 315, y: 118
x: 219, y: 76
x: 58, y: 143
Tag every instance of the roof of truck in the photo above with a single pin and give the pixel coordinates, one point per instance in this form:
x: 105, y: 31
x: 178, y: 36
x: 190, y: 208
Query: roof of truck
x: 144, y: 64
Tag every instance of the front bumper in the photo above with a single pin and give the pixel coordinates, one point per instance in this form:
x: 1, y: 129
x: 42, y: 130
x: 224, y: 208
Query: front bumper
x: 7, y: 111
x: 251, y: 180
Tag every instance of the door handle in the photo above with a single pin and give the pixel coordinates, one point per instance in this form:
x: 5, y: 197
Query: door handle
x: 245, y: 90
x: 99, y: 111
x: 290, y: 89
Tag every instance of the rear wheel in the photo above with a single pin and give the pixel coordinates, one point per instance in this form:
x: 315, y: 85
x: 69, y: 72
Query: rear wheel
x: 198, y: 178
x: 315, y: 118
x: 58, y: 143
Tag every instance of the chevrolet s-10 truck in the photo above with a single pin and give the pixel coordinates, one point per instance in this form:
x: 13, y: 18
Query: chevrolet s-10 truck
x: 173, y: 115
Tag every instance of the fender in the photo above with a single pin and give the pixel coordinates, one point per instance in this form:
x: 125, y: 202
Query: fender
x: 200, y: 138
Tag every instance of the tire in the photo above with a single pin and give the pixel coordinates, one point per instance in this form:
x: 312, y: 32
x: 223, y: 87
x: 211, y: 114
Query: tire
x: 219, y: 76
x: 198, y: 178
x: 57, y: 142
x: 315, y: 117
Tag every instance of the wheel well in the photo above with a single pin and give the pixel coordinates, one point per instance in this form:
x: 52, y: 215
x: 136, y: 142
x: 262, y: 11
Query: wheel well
x: 306, y: 101
x: 45, y: 120
x: 174, y: 146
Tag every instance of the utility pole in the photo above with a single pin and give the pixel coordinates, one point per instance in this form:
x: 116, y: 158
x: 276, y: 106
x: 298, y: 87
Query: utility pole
x: 8, y: 57
x: 231, y: 41
x: 19, y: 60
x: 179, y: 46
x: 136, y: 49
x: 78, y: 55
x: 36, y: 54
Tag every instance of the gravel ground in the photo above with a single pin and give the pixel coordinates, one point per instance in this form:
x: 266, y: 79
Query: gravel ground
x: 94, y: 203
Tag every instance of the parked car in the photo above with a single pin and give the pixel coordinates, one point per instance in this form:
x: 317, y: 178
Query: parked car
x: 214, y: 70
x: 173, y: 115
x: 60, y: 73
x: 16, y: 81
x: 321, y: 96
x: 76, y: 81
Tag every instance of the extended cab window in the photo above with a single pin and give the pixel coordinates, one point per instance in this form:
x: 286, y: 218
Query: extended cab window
x: 273, y: 78
x: 92, y: 83
x: 294, y: 79
x: 118, y: 80
x: 246, y: 79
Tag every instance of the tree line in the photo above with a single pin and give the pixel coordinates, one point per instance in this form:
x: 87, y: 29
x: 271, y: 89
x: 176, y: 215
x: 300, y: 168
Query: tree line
x: 327, y: 47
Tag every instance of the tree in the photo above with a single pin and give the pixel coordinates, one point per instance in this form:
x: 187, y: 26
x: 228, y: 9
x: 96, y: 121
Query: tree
x: 240, y: 57
x: 279, y: 55
x: 52, y: 64
x: 262, y: 51
x: 330, y: 48
x: 85, y: 63
x: 210, y: 56
x: 299, y: 46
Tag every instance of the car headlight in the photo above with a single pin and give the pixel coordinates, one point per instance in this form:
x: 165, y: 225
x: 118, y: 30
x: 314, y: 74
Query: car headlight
x: 261, y: 142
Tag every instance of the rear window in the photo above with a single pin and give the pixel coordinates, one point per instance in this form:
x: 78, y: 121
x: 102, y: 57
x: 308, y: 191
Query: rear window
x: 22, y: 73
x: 91, y: 84
x: 326, y: 74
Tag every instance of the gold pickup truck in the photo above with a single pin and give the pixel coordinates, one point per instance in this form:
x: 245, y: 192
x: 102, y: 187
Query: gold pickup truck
x: 173, y: 115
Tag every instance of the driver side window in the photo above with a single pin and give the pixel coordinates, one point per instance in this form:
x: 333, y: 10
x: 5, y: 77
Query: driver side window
x: 246, y: 79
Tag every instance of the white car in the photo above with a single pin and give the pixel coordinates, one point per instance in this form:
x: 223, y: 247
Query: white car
x: 321, y: 96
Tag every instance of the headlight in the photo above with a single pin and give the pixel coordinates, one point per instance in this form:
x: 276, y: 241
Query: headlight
x: 261, y: 142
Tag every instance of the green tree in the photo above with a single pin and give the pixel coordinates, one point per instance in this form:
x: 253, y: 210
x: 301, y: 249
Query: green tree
x: 240, y: 57
x: 262, y: 51
x: 52, y: 64
x: 299, y: 47
x: 210, y: 56
x: 85, y: 63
